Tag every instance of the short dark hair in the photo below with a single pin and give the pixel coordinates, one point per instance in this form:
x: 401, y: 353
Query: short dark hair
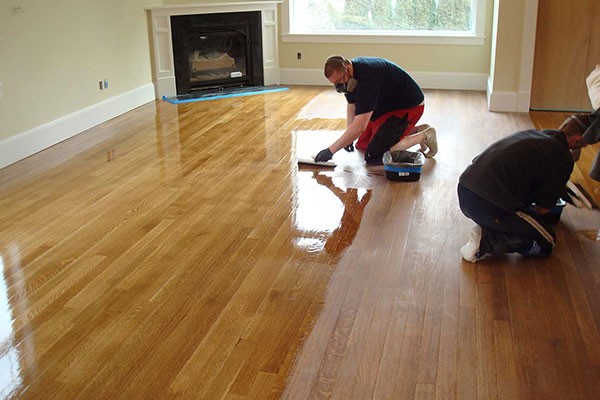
x: 576, y: 124
x: 335, y: 63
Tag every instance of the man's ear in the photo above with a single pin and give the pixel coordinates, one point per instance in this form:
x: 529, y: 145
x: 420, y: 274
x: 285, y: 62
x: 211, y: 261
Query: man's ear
x: 576, y: 141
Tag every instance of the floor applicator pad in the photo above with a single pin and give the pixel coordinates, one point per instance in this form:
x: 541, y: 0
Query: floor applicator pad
x: 311, y: 161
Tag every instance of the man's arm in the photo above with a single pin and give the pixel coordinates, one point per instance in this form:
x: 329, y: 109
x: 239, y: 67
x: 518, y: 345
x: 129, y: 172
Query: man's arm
x: 350, y: 110
x: 545, y: 198
x: 353, y: 131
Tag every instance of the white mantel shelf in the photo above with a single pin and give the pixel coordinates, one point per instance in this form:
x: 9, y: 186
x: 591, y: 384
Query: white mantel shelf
x: 237, y: 4
x: 162, y: 45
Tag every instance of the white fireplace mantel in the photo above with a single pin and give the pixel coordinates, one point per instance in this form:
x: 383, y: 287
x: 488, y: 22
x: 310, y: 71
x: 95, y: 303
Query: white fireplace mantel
x: 162, y: 45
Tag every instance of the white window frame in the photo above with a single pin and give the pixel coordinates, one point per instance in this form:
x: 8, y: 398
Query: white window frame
x: 381, y: 37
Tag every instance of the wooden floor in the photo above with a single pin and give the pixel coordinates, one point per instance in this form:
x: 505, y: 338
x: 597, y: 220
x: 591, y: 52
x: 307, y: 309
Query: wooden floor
x: 179, y: 252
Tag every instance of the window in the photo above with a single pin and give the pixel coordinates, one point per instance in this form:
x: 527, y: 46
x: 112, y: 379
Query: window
x: 374, y: 20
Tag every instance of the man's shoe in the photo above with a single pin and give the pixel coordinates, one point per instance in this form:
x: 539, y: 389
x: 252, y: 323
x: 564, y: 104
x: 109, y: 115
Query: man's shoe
x: 469, y: 251
x: 430, y: 141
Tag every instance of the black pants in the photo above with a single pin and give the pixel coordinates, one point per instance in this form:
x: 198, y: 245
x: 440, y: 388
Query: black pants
x: 523, y: 232
x: 390, y: 133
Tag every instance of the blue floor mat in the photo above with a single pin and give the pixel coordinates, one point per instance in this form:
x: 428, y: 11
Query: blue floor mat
x: 223, y: 94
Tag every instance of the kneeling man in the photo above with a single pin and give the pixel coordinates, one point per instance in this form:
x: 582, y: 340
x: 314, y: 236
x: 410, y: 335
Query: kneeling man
x: 511, y: 185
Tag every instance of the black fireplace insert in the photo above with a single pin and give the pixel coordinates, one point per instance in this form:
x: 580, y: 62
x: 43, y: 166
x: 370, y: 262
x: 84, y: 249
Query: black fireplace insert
x: 217, y: 51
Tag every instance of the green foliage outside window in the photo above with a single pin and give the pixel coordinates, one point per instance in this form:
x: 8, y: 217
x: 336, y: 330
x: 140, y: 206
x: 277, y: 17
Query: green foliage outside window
x: 384, y: 15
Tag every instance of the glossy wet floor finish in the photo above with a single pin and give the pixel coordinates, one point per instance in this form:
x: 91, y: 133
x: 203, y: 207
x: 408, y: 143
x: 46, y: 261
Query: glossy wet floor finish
x: 181, y: 252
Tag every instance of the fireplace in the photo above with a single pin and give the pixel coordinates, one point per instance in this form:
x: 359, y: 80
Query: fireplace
x: 263, y: 45
x: 216, y: 51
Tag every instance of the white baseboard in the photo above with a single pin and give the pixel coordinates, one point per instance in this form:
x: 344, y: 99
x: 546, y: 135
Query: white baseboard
x: 451, y: 80
x: 302, y: 76
x: 523, y: 101
x: 502, y: 101
x: 272, y: 76
x: 427, y: 80
x: 508, y: 101
x: 26, y: 143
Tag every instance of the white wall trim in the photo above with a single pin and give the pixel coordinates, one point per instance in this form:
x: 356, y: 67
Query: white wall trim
x: 507, y: 101
x: 451, y: 80
x: 502, y: 101
x: 523, y: 101
x: 382, y: 37
x: 26, y: 143
x: 519, y: 101
x: 527, y: 55
x: 427, y: 80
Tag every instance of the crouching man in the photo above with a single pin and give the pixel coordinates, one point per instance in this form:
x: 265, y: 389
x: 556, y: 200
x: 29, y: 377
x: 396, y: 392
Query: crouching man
x: 509, y: 187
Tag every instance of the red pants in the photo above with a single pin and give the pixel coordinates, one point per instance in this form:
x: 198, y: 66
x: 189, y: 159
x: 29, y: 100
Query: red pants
x: 413, y: 115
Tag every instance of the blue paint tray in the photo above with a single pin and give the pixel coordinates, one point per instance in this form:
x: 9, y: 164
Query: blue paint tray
x: 404, y: 166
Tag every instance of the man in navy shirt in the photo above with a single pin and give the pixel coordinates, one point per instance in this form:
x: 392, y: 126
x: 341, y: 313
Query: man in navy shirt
x: 509, y: 188
x: 384, y: 105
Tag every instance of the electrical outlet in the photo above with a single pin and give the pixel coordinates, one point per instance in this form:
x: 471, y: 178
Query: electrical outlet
x: 106, y: 84
x: 299, y: 56
x: 18, y: 9
x: 101, y: 85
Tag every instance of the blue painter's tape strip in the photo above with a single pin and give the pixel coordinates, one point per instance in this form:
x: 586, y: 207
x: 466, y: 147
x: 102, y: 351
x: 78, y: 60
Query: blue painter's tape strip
x: 412, y: 170
x: 224, y: 96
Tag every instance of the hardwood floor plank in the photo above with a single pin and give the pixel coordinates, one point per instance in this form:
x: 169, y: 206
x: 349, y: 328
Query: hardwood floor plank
x: 446, y: 374
x: 181, y: 252
x: 507, y: 382
x: 486, y: 366
x: 466, y: 367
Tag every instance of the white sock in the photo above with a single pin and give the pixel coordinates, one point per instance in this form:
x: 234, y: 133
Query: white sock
x: 470, y: 249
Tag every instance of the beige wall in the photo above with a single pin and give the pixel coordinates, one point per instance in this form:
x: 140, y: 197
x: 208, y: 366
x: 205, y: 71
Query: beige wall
x: 170, y: 2
x: 508, y: 33
x: 54, y: 53
x: 415, y: 58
